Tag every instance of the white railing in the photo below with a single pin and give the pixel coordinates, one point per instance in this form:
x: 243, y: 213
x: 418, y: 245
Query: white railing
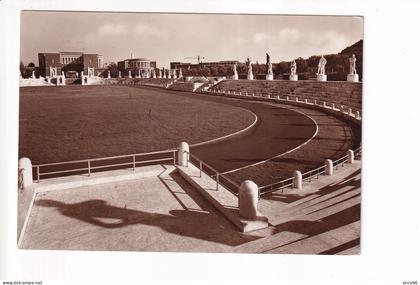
x: 88, y: 166
x: 307, y: 176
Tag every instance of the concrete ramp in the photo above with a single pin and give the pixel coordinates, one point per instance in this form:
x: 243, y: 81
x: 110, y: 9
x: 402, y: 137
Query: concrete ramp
x: 221, y: 198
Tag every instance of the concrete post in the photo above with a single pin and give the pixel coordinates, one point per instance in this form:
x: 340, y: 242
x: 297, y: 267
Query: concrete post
x: 324, y: 104
x: 297, y: 180
x: 333, y: 106
x: 350, y: 156
x: 287, y: 98
x: 306, y: 101
x: 25, y: 168
x: 314, y: 102
x: 248, y: 200
x: 329, y: 167
x: 183, y: 152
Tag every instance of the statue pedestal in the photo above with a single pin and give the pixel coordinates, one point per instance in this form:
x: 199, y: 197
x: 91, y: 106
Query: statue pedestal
x: 269, y: 77
x: 353, y: 77
x: 235, y: 77
x: 293, y: 77
x: 321, y: 77
x: 250, y: 77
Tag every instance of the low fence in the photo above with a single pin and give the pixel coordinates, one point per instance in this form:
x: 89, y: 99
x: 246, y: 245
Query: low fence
x: 88, y: 166
x: 345, y: 110
x: 307, y: 176
x: 218, y: 177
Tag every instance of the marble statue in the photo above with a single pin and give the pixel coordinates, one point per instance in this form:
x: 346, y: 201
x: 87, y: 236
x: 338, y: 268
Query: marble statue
x: 119, y: 74
x: 269, y: 75
x: 267, y: 58
x: 180, y: 72
x: 235, y: 72
x: 352, y: 61
x: 250, y: 75
x: 293, y: 67
x: 33, y: 74
x: 109, y: 74
x: 91, y: 72
x: 321, y: 65
x: 129, y: 74
x: 353, y: 76
x: 160, y: 73
x: 53, y: 72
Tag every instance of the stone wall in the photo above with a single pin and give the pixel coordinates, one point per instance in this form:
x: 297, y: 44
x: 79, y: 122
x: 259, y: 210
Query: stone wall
x: 340, y: 93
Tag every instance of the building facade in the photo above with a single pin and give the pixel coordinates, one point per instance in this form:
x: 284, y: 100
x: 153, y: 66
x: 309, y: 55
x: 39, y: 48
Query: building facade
x: 186, y: 65
x: 137, y: 66
x: 71, y: 63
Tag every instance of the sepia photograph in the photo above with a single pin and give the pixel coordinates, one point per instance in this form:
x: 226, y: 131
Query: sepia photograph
x: 142, y: 132
x: 209, y: 142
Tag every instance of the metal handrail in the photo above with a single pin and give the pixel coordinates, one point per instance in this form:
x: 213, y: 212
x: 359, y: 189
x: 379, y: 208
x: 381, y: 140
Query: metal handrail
x: 279, y: 185
x: 216, y: 177
x: 307, y: 176
x: 132, y: 164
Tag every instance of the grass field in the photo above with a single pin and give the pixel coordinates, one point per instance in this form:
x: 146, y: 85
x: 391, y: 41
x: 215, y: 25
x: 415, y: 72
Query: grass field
x: 79, y: 122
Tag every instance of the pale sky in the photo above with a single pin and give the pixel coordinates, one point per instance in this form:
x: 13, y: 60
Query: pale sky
x: 172, y: 37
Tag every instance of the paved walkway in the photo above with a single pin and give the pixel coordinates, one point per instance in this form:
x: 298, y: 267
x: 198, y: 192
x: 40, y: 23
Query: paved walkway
x: 165, y: 213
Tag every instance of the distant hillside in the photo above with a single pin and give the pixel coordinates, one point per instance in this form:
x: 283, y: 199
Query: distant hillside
x: 356, y: 49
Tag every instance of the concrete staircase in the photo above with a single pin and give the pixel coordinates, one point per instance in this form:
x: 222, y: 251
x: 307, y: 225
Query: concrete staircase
x: 323, y: 218
x: 337, y: 92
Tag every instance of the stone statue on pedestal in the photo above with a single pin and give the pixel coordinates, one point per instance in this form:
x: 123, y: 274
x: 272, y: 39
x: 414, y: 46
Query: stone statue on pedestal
x: 129, y: 74
x: 180, y: 72
x: 353, y: 76
x: 321, y: 65
x: 352, y: 61
x: 250, y: 75
x: 119, y: 74
x: 160, y: 73
x: 269, y: 75
x: 293, y: 67
x: 33, y: 74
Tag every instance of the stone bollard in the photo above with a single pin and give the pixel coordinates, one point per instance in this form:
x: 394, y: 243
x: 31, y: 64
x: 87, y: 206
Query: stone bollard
x: 25, y: 167
x: 357, y: 115
x: 329, y: 167
x: 333, y: 106
x: 296, y: 99
x: 183, y: 153
x: 248, y: 200
x: 314, y: 102
x: 350, y: 156
x: 297, y: 180
x: 306, y: 101
x: 324, y: 104
x: 287, y: 98
x: 350, y: 111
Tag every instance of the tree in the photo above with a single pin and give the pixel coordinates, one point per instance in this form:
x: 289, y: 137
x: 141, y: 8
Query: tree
x: 31, y: 64
x: 113, y: 70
